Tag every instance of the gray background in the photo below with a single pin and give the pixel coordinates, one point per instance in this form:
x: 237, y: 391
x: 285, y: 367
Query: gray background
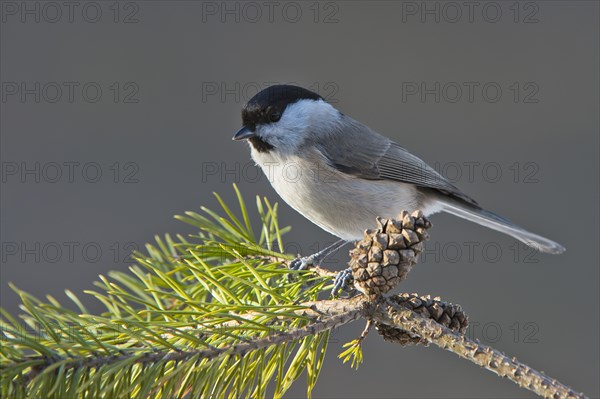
x: 361, y: 60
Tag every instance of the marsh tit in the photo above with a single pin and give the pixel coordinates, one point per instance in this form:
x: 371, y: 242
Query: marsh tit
x: 341, y: 175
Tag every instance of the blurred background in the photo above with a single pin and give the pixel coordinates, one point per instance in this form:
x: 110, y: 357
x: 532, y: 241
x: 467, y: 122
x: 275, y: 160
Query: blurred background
x: 117, y: 115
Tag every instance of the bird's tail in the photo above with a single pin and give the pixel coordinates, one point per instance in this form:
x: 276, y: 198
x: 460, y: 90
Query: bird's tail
x: 498, y: 223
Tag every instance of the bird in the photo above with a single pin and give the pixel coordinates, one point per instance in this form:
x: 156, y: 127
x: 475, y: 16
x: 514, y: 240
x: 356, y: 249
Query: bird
x: 340, y: 174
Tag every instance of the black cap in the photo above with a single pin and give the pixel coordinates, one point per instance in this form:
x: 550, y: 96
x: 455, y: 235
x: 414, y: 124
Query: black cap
x: 268, y: 105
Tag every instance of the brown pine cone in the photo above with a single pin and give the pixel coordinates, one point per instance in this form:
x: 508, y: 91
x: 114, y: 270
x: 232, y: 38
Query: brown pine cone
x: 447, y: 314
x: 385, y: 256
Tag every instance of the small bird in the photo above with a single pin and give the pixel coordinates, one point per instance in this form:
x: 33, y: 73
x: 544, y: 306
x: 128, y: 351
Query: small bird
x: 341, y: 175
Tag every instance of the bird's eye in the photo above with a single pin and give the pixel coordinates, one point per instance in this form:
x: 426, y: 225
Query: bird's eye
x: 274, y: 116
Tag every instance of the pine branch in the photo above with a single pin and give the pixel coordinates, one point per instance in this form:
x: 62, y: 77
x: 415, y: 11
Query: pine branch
x: 211, y: 317
x: 389, y: 313
x: 220, y: 316
x: 341, y: 317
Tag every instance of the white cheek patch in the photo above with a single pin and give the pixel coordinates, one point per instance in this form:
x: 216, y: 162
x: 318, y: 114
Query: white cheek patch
x: 308, y: 112
x: 297, y: 119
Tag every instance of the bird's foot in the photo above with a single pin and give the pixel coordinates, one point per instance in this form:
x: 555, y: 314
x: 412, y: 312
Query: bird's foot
x: 302, y: 263
x: 306, y: 262
x: 342, y: 282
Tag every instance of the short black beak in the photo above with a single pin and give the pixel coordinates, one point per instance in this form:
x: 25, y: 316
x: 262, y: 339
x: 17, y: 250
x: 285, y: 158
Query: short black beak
x: 243, y: 133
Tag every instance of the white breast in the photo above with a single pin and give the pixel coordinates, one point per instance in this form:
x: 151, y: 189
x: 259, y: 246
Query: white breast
x: 341, y: 204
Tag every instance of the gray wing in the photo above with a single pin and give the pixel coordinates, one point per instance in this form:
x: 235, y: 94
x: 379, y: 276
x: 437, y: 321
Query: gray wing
x: 361, y: 152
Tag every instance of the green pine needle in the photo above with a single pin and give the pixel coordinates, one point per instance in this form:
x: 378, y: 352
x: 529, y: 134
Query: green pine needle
x: 353, y: 353
x: 184, y: 298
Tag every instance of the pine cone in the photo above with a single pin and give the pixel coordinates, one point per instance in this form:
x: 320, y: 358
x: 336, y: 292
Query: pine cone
x: 447, y: 314
x: 385, y: 256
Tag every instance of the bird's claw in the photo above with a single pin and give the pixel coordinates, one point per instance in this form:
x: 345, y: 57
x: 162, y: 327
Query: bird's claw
x: 342, y: 282
x: 301, y: 263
